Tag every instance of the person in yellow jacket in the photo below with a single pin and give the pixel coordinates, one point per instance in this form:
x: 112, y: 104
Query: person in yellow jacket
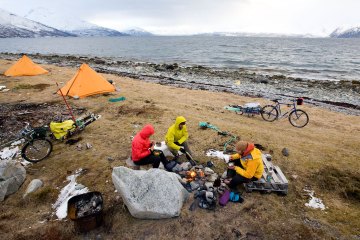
x: 247, y: 164
x: 176, y: 137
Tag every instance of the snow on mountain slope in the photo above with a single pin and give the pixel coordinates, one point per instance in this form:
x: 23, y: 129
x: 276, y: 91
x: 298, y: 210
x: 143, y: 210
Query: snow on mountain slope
x: 12, y: 25
x: 137, y: 32
x: 341, y: 32
x: 70, y: 23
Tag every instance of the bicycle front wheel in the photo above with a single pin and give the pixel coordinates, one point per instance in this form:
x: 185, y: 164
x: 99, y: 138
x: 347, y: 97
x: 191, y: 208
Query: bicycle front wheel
x: 36, y: 150
x: 298, y: 118
x: 269, y: 113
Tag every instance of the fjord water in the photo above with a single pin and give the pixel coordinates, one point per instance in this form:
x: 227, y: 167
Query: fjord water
x: 309, y: 58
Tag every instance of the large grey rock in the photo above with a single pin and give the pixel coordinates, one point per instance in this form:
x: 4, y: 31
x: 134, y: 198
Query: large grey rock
x: 12, y: 175
x: 151, y: 194
x: 33, y: 186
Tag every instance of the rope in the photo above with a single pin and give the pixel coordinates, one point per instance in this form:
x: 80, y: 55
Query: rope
x: 223, y: 133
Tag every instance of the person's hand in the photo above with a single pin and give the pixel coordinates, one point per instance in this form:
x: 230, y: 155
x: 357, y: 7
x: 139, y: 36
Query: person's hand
x: 182, y: 150
x: 231, y: 167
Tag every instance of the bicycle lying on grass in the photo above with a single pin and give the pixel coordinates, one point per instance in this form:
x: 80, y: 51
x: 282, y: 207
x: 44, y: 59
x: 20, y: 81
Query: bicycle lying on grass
x: 297, y: 117
x: 38, y: 145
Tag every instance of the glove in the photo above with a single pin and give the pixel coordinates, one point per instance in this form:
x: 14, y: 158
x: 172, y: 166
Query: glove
x: 182, y: 150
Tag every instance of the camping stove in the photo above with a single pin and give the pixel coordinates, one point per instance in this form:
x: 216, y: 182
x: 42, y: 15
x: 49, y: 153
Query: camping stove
x: 194, y: 175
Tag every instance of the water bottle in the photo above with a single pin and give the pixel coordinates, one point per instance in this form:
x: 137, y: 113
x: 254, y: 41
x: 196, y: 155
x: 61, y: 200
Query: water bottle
x: 269, y: 174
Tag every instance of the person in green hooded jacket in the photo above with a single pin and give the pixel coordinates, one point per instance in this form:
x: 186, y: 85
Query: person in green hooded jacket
x: 176, y: 137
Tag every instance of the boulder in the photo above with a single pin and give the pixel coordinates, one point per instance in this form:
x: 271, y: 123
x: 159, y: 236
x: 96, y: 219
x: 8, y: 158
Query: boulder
x: 12, y: 175
x: 151, y: 194
x: 33, y: 186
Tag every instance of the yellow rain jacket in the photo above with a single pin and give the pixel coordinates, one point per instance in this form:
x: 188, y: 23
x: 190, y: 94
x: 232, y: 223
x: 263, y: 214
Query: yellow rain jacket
x: 252, y: 163
x: 175, y: 134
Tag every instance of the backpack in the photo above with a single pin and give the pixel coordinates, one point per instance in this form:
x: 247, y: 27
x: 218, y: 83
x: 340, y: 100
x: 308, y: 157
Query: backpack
x: 235, y: 197
x: 170, y: 165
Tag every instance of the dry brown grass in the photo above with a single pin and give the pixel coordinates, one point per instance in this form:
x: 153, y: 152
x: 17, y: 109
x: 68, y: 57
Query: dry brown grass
x: 324, y: 156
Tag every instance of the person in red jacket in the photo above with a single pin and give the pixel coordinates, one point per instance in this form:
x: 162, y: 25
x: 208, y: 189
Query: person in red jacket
x: 143, y: 150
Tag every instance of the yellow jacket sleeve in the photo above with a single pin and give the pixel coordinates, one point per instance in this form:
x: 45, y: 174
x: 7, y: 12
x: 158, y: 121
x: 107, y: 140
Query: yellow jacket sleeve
x: 185, y: 135
x: 235, y: 156
x: 170, y: 142
x: 250, y: 169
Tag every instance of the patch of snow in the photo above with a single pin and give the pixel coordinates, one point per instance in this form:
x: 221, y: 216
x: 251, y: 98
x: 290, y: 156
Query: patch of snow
x: 64, y: 21
x: 70, y: 190
x: 218, y: 154
x: 314, y: 202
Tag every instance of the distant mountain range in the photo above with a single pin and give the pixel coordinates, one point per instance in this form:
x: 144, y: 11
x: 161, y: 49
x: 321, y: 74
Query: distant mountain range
x: 71, y: 24
x: 138, y: 32
x: 353, y: 32
x: 12, y: 25
x: 31, y: 25
x: 41, y: 22
x: 245, y: 34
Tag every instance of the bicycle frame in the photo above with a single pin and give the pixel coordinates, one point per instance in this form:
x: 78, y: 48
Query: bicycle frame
x: 286, y: 114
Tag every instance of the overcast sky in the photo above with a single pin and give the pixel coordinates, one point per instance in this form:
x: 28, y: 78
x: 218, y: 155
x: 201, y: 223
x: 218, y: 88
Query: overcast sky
x: 317, y: 17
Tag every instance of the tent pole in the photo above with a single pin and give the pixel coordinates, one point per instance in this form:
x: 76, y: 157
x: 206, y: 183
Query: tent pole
x: 72, y: 115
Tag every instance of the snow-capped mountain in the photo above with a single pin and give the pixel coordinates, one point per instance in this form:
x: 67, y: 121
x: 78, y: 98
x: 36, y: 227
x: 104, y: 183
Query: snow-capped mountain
x: 12, y: 25
x: 353, y: 32
x: 137, y: 32
x: 247, y: 34
x: 70, y: 23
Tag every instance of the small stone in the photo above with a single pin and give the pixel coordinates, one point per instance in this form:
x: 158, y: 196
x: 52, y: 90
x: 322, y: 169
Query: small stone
x: 110, y: 159
x: 285, y: 152
x: 294, y: 176
x: 79, y: 147
x: 88, y: 146
x: 79, y: 186
x: 208, y: 171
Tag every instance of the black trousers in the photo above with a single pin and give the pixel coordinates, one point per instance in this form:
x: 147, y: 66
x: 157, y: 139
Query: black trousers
x: 186, y: 147
x: 153, y: 159
x: 237, y: 178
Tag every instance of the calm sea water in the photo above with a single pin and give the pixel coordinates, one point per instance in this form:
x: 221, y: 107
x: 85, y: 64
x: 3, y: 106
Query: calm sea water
x: 321, y: 59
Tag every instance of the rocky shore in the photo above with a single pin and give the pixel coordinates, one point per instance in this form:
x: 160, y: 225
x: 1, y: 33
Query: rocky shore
x: 341, y: 96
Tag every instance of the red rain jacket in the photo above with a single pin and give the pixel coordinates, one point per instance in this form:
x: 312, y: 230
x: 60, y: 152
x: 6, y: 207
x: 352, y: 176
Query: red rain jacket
x: 141, y: 143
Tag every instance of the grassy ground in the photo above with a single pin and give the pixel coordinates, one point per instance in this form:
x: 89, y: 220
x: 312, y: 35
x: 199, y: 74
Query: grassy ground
x: 324, y: 156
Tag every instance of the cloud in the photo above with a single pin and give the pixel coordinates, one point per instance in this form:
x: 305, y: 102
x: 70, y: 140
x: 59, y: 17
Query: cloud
x: 188, y: 16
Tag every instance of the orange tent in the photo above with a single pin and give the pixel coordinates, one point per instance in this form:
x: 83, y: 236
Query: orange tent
x: 86, y: 82
x: 25, y: 67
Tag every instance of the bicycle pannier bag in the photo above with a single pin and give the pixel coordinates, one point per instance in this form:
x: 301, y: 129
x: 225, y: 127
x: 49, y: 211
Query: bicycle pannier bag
x: 299, y: 101
x: 60, y: 129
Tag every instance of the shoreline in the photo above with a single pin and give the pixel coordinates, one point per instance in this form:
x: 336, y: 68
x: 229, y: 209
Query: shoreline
x: 339, y: 96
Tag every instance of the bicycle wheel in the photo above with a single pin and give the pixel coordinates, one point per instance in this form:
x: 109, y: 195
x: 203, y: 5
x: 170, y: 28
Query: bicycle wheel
x: 269, y: 113
x: 298, y: 118
x: 36, y: 150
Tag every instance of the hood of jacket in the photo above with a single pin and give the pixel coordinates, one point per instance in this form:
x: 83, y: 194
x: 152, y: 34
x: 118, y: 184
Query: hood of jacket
x: 147, y: 131
x: 179, y: 120
x: 249, y: 148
